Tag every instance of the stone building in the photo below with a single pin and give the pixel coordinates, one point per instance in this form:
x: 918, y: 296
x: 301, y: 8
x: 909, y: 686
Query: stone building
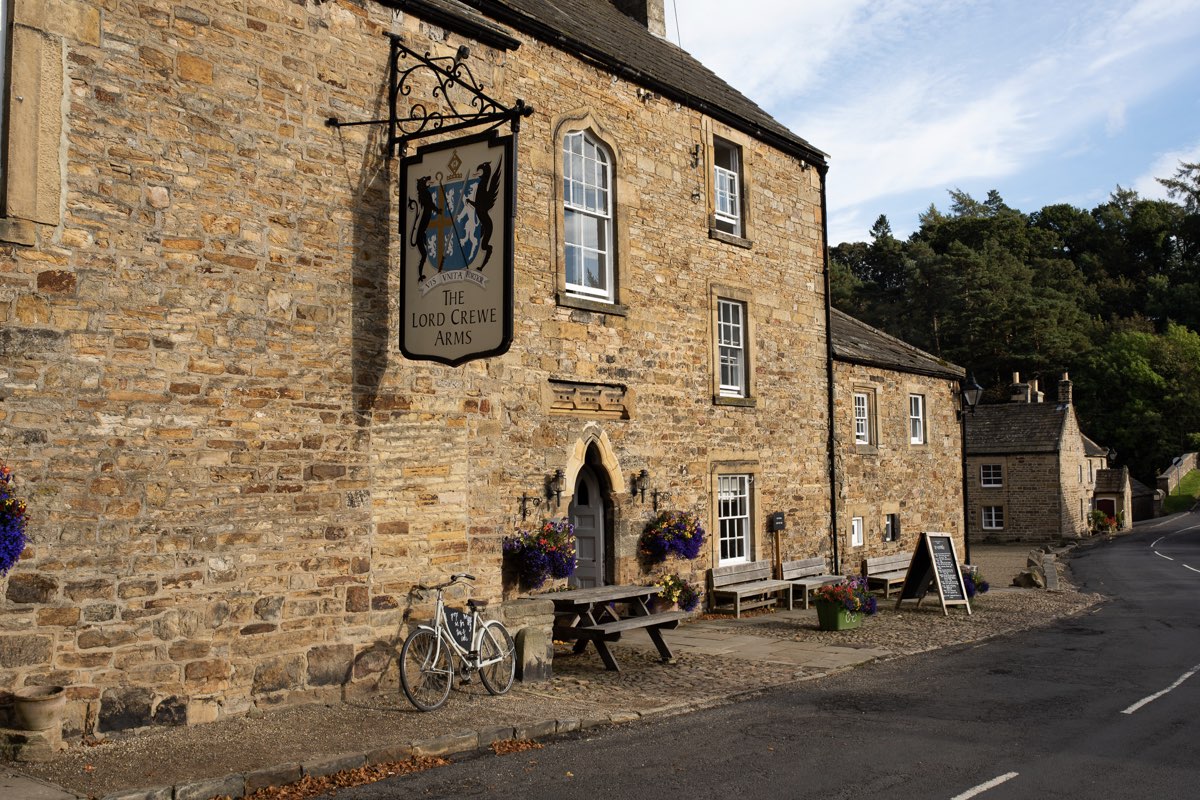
x: 1114, y: 496
x: 234, y: 475
x: 1031, y: 472
x: 898, y: 443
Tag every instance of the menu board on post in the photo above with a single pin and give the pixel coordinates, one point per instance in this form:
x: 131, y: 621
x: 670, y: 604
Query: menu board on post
x: 935, y: 564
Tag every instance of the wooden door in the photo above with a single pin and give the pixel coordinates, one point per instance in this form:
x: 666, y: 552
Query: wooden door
x: 587, y: 515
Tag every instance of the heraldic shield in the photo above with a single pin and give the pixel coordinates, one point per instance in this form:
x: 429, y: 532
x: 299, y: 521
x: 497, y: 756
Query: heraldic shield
x: 456, y: 256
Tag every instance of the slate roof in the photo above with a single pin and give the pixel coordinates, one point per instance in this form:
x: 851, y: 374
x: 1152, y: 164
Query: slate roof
x: 1140, y: 489
x: 1111, y: 481
x: 1092, y: 449
x: 597, y: 31
x: 1005, y: 428
x: 856, y: 342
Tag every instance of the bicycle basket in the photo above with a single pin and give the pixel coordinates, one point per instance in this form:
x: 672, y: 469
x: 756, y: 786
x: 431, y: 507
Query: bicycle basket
x: 459, y: 623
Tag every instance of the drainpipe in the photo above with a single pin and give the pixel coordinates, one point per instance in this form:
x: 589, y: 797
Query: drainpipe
x: 962, y: 440
x: 833, y: 496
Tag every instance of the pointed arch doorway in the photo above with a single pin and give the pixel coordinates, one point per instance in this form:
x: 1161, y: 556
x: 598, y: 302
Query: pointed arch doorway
x: 589, y: 514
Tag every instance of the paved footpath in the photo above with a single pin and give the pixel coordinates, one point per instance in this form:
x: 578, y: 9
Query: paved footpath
x: 710, y: 668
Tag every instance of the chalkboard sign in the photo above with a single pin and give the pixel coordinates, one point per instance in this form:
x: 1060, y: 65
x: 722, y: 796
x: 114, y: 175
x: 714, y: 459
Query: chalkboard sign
x: 935, y: 564
x: 459, y: 623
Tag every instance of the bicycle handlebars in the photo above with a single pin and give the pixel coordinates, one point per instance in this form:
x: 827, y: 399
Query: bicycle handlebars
x: 455, y: 578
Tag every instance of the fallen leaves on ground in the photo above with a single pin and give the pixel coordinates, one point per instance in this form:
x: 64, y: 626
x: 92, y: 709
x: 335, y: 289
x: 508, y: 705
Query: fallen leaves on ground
x: 508, y: 746
x: 309, y: 786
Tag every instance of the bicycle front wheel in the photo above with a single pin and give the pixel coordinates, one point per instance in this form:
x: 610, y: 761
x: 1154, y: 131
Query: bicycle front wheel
x: 496, y: 646
x: 425, y: 670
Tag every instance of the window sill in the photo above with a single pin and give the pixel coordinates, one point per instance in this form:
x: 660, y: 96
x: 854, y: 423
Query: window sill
x: 736, y: 402
x: 599, y: 306
x: 729, y: 238
x: 866, y: 449
x: 17, y: 231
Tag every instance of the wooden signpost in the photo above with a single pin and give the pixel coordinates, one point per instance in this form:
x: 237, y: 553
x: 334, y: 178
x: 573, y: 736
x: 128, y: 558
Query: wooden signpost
x: 935, y: 563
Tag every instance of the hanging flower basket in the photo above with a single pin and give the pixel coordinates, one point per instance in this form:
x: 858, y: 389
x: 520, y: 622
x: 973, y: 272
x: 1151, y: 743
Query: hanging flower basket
x: 12, y: 523
x: 676, y: 533
x: 535, y: 556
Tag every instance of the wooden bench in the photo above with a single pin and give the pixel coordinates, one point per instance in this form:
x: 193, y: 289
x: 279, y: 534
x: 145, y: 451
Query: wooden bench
x: 748, y: 585
x: 886, y: 571
x: 807, y: 574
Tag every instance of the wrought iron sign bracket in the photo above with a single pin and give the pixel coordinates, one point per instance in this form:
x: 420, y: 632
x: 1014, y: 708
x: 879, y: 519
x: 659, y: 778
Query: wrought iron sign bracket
x: 466, y: 104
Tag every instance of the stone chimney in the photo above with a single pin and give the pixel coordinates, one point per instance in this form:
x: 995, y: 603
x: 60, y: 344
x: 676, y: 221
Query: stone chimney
x: 648, y: 12
x: 1064, y: 390
x: 1020, y: 391
x: 1035, y: 396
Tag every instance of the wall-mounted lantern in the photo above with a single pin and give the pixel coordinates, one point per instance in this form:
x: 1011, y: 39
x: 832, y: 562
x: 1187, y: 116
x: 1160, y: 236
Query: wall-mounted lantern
x: 638, y: 483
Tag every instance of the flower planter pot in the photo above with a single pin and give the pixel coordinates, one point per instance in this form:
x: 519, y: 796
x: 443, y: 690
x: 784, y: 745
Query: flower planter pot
x: 835, y: 617
x: 38, y: 708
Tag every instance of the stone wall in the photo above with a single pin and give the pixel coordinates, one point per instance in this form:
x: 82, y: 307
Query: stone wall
x: 234, y: 477
x: 921, y: 483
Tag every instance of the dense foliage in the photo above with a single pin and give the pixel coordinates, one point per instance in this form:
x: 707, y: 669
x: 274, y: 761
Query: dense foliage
x: 1110, y: 295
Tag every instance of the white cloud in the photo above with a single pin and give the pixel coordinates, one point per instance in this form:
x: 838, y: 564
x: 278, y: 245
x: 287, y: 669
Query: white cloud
x: 1164, y: 166
x: 910, y: 95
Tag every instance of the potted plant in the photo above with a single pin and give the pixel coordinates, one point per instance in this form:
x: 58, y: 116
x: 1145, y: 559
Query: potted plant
x: 841, y: 606
x: 12, y: 523
x: 671, y: 532
x: 675, y: 591
x: 548, y: 552
x: 973, y: 581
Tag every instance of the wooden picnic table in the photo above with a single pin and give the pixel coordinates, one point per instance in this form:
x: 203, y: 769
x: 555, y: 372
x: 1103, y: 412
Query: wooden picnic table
x: 591, y: 615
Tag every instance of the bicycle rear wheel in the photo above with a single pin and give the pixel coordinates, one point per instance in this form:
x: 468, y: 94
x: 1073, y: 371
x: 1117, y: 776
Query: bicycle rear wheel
x: 425, y: 670
x: 496, y: 643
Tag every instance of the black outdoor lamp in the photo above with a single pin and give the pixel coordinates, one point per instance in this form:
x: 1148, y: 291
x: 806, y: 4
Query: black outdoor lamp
x: 971, y: 392
x: 638, y: 483
x: 555, y: 485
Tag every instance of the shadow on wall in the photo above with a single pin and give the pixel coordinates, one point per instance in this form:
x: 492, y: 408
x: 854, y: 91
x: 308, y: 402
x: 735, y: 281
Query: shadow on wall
x: 371, y: 193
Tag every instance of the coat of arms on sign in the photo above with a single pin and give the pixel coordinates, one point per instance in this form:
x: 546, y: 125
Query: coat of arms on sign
x: 453, y: 226
x: 456, y: 250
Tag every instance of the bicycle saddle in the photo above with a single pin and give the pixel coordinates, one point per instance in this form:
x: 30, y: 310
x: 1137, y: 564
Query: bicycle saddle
x: 477, y: 605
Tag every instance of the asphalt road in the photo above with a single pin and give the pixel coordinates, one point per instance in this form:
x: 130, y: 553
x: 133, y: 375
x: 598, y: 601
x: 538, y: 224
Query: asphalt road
x: 1100, y: 706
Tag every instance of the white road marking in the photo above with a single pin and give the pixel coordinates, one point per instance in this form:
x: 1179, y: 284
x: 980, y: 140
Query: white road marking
x: 1160, y: 555
x: 1193, y: 569
x: 1157, y: 695
x: 983, y: 787
x: 1154, y: 544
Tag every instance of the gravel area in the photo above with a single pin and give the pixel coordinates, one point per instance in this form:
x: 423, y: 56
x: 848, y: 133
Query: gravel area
x: 580, y: 690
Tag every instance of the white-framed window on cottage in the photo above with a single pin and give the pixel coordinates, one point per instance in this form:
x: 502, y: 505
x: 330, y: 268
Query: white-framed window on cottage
x: 733, y: 518
x: 588, y: 217
x: 991, y: 476
x: 731, y: 344
x: 916, y: 419
x: 862, y: 418
x: 856, y: 532
x: 992, y: 518
x: 727, y: 187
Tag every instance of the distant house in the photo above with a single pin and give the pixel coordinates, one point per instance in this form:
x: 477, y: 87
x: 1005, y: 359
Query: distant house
x: 1032, y: 474
x: 1114, y: 495
x: 897, y: 443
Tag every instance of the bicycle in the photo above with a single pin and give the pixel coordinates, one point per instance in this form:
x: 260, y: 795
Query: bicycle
x: 427, y: 658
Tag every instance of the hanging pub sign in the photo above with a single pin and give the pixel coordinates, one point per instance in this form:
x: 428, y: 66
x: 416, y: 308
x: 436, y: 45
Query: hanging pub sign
x: 456, y: 259
x: 935, y: 564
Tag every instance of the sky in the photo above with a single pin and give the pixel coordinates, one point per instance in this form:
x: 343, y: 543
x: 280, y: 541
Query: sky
x: 1045, y: 101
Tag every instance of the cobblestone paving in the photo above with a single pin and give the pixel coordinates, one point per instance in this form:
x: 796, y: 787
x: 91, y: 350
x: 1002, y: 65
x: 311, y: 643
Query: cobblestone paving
x: 580, y: 690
